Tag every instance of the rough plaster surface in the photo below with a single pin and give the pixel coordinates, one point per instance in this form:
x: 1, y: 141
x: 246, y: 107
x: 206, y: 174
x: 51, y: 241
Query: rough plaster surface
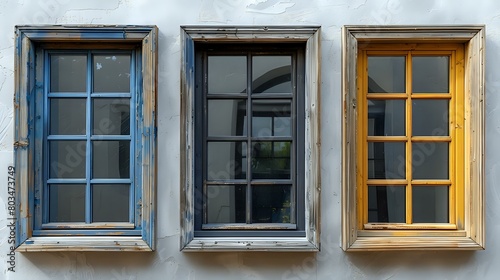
x: 331, y: 263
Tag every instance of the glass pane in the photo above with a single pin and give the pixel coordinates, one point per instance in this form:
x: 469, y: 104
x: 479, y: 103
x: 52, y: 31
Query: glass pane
x: 430, y: 74
x: 386, y: 204
x: 271, y: 160
x: 430, y: 160
x: 110, y: 203
x: 271, y: 118
x: 386, y: 74
x: 227, y: 74
x: 111, y: 116
x: 272, y: 204
x: 227, y: 117
x: 386, y: 117
x: 67, y: 159
x: 112, y: 73
x: 430, y: 204
x: 226, y: 160
x: 67, y: 116
x: 68, y: 73
x: 272, y: 74
x: 386, y: 160
x: 226, y: 204
x: 111, y: 159
x: 430, y: 117
x: 66, y: 203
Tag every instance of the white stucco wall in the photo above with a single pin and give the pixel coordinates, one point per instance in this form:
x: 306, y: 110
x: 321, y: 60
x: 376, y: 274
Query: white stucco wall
x: 331, y: 263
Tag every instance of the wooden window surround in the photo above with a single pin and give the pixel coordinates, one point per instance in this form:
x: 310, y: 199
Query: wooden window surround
x: 197, y: 233
x: 395, y: 166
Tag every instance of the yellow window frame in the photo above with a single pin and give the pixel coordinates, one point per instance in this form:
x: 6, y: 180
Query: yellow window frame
x: 465, y: 47
x: 455, y: 95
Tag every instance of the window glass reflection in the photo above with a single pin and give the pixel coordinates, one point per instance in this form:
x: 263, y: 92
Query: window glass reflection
x: 226, y: 160
x: 271, y: 204
x: 386, y: 204
x: 430, y: 117
x: 430, y: 160
x: 430, y: 74
x: 111, y: 73
x: 386, y: 160
x: 66, y: 203
x: 227, y: 117
x: 386, y: 117
x: 430, y: 204
x: 67, y: 116
x: 111, y: 159
x: 386, y: 74
x: 272, y: 74
x: 226, y: 204
x: 67, y: 159
x: 227, y: 74
x: 111, y: 116
x: 271, y: 160
x: 103, y: 210
x: 68, y: 73
x: 271, y: 118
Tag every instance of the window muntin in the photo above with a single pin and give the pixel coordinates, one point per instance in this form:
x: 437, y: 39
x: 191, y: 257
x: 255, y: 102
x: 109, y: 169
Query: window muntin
x: 256, y: 183
x: 406, y: 123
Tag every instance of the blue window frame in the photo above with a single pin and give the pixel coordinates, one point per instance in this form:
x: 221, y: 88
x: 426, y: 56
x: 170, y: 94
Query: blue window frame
x: 88, y: 156
x: 85, y: 138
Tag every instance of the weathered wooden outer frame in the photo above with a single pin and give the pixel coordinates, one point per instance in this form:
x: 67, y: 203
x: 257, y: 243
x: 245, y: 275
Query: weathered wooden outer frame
x: 474, y: 39
x: 27, y: 37
x: 310, y: 35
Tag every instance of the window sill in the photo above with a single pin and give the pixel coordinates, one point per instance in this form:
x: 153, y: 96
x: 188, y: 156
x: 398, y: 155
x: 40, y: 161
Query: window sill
x: 278, y: 244
x: 81, y: 244
x: 385, y: 243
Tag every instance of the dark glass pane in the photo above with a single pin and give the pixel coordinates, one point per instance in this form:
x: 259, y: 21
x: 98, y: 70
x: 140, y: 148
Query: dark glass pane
x: 227, y: 117
x: 66, y: 203
x: 386, y: 117
x: 386, y: 74
x: 271, y: 118
x: 272, y: 204
x: 111, y: 116
x: 386, y: 160
x: 430, y: 74
x: 67, y: 159
x: 67, y: 116
x: 110, y: 203
x: 386, y: 204
x: 271, y: 160
x: 430, y: 160
x: 112, y: 73
x: 430, y: 117
x: 226, y: 204
x: 227, y: 74
x: 68, y: 73
x: 430, y: 204
x: 226, y: 160
x: 111, y: 159
x: 272, y: 74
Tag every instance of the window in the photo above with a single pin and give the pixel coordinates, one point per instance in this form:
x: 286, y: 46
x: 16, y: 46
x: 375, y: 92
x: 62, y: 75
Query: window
x: 245, y: 112
x: 86, y: 162
x: 414, y: 122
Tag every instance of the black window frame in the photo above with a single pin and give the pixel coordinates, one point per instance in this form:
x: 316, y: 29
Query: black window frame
x: 297, y: 53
